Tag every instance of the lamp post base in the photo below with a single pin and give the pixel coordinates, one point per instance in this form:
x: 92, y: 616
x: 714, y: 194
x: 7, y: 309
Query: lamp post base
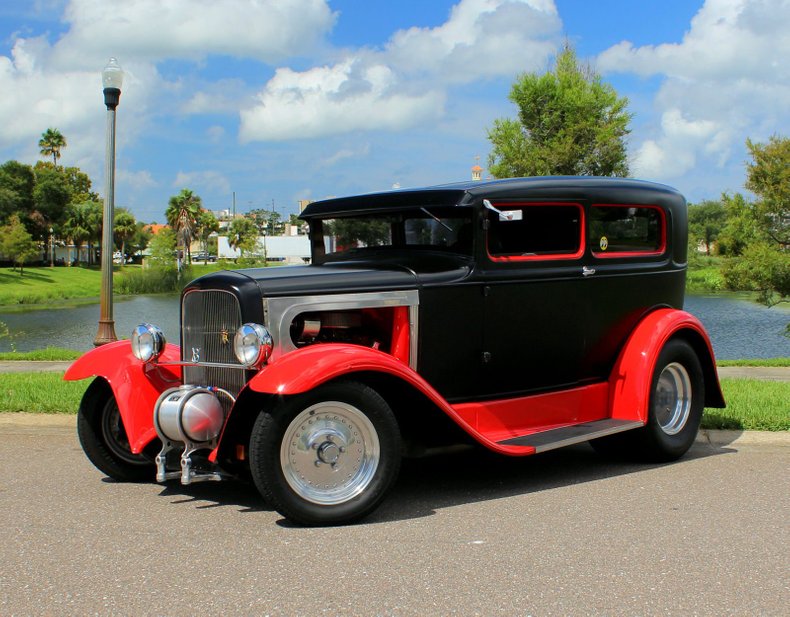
x: 106, y: 333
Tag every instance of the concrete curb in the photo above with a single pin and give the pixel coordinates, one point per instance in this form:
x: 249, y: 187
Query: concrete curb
x: 30, y: 422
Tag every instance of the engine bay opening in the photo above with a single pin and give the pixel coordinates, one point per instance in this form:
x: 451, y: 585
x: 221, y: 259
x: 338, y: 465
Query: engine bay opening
x: 385, y: 329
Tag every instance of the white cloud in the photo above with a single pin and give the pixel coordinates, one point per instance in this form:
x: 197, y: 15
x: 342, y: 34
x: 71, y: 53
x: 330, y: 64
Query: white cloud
x: 405, y: 83
x: 208, y: 180
x: 346, y: 153
x: 136, y: 180
x: 268, y: 30
x: 728, y: 79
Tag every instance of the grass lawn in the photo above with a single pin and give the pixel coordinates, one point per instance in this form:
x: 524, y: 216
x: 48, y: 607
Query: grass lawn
x: 43, y: 285
x: 751, y: 404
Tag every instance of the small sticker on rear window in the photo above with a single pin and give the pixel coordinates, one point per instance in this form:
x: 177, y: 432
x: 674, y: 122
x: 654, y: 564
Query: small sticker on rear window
x: 604, y: 243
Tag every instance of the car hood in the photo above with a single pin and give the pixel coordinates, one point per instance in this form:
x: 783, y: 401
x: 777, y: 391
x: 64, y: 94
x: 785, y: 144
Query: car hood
x: 354, y: 276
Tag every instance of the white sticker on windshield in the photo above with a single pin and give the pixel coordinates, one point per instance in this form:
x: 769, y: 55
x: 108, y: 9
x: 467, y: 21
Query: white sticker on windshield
x: 511, y: 215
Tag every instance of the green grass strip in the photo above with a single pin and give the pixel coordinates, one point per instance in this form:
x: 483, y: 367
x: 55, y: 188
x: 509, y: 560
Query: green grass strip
x: 756, y: 362
x: 752, y: 405
x: 50, y: 354
x: 40, y: 392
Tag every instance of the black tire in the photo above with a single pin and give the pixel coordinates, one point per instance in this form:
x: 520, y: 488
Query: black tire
x: 677, y: 396
x: 302, y: 454
x: 103, y: 437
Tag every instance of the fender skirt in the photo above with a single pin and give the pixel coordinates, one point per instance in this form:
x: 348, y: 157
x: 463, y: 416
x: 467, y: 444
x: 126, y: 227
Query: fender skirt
x: 136, y: 385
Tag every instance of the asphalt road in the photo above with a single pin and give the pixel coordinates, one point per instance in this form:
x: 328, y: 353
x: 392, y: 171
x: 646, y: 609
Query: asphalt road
x: 563, y: 533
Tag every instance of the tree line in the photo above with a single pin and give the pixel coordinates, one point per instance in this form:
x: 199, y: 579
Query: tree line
x: 45, y: 201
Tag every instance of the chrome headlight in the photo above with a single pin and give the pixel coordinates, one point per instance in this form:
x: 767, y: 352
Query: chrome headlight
x: 252, y: 345
x: 148, y: 342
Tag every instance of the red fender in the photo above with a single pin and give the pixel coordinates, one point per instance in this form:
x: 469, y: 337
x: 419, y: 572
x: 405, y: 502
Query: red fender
x: 631, y: 377
x: 302, y: 370
x: 136, y: 385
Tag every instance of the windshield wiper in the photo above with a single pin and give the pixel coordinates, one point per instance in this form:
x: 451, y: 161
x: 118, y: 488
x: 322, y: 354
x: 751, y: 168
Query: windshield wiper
x: 437, y: 219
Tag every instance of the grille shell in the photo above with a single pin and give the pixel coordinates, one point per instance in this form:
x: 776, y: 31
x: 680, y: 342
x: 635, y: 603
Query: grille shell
x: 209, y: 319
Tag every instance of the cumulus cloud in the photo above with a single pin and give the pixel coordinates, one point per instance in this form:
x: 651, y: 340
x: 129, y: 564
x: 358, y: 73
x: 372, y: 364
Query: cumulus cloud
x: 406, y: 82
x: 728, y: 79
x: 268, y: 30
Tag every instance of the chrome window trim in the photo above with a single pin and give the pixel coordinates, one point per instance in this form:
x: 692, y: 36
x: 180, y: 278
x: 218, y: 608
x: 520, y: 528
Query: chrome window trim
x: 280, y: 312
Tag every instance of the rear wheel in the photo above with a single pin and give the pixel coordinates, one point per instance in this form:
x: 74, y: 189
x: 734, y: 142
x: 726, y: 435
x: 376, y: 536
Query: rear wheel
x: 328, y: 456
x: 103, y: 437
x: 677, y: 398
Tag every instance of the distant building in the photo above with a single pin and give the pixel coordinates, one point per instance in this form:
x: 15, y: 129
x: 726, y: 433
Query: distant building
x: 288, y: 249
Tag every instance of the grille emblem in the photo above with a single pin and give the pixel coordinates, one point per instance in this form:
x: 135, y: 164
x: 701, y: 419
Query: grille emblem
x: 224, y: 337
x: 196, y: 354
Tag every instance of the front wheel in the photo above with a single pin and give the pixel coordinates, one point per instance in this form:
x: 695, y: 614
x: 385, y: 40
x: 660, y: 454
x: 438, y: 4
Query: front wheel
x: 677, y: 398
x: 103, y: 437
x: 326, y: 457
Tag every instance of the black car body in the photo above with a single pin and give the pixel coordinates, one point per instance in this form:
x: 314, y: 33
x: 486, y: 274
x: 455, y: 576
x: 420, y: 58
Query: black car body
x: 524, y: 314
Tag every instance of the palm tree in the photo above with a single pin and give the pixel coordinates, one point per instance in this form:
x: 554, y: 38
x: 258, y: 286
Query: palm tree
x: 78, y: 225
x: 124, y: 227
x: 182, y: 213
x: 51, y: 143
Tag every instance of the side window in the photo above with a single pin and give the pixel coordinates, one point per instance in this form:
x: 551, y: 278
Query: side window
x: 523, y: 232
x: 620, y: 231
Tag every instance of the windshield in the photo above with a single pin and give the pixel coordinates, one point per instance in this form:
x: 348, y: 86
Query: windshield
x: 443, y: 229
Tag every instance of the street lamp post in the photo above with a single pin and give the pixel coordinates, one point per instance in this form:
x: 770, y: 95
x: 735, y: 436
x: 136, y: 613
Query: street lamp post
x: 51, y: 248
x: 112, y: 80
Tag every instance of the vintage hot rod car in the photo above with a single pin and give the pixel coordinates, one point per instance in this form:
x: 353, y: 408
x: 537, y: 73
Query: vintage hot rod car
x: 523, y: 314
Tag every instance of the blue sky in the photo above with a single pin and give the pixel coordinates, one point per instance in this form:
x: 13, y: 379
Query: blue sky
x: 280, y: 101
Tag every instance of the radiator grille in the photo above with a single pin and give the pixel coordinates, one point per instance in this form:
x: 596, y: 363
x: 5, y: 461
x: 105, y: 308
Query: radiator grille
x: 209, y: 321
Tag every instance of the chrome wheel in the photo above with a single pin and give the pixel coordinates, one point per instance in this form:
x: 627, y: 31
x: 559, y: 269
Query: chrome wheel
x: 329, y: 453
x: 672, y: 398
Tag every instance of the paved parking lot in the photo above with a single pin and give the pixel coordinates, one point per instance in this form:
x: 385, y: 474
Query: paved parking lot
x: 563, y: 533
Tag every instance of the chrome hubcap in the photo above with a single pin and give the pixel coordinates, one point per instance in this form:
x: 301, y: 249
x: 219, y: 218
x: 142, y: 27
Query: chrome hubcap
x: 672, y: 398
x: 330, y: 453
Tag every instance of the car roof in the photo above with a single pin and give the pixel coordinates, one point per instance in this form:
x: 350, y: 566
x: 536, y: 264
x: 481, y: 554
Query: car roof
x: 465, y: 194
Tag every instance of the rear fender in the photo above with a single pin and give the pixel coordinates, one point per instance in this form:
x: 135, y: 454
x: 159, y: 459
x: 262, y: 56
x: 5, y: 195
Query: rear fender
x: 631, y: 377
x: 135, y: 384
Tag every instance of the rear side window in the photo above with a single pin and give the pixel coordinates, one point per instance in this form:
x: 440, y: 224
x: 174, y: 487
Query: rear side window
x: 620, y: 231
x: 522, y: 232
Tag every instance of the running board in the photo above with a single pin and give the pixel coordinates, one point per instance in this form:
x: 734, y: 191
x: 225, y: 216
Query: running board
x: 567, y: 435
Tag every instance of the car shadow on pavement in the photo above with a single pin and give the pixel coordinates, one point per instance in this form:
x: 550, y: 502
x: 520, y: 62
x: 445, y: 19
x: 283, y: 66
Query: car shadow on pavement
x: 429, y: 484
x: 432, y: 483
x: 236, y: 493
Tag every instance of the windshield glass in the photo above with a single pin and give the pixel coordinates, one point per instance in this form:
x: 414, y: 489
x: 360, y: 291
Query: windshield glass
x: 421, y: 229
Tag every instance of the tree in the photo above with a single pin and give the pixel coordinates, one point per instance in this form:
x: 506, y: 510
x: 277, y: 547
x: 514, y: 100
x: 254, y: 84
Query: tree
x: 124, y: 227
x: 768, y: 177
x: 17, y: 182
x: 17, y: 243
x: 706, y: 220
x: 569, y: 123
x: 51, y: 143
x: 243, y: 235
x: 759, y: 233
x: 51, y: 195
x: 78, y: 226
x: 162, y: 246
x: 182, y: 213
x: 740, y: 227
x: 207, y: 224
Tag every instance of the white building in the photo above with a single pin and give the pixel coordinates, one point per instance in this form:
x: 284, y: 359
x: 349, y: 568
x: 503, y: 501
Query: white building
x: 290, y: 249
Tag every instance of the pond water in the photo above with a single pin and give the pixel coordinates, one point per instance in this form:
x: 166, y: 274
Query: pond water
x: 738, y: 328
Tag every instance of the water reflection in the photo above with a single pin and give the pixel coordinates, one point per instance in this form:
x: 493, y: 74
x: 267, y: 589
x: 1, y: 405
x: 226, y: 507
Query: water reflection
x: 738, y: 328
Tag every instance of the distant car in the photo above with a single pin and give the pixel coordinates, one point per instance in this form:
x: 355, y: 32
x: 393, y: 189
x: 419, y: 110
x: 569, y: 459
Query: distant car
x: 523, y: 314
x: 203, y: 256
